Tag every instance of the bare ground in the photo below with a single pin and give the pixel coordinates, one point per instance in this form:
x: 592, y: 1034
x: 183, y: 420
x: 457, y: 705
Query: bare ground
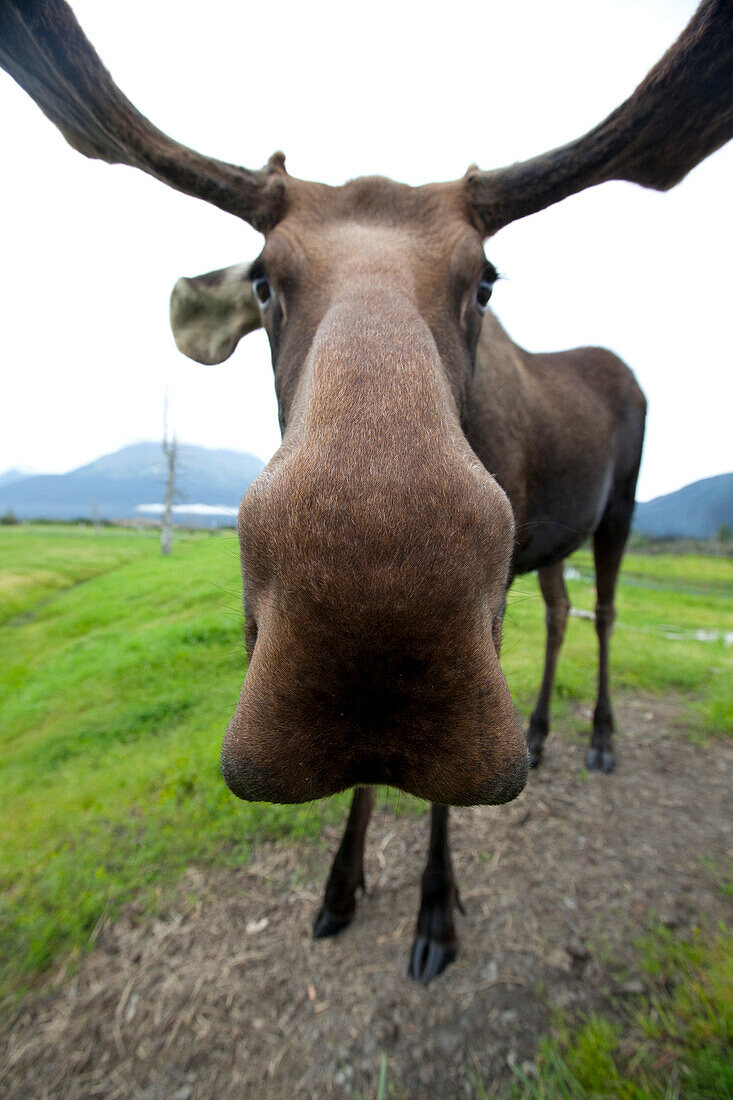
x: 228, y: 996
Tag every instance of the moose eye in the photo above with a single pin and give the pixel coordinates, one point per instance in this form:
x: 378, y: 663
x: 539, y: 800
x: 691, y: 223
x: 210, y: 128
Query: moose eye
x: 261, y: 288
x: 483, y: 292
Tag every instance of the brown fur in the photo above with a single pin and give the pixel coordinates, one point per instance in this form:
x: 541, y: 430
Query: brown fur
x: 375, y: 546
x: 558, y: 431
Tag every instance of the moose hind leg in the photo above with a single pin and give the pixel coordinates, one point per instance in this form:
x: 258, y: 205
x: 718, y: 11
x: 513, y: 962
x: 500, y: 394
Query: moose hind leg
x: 557, y: 607
x: 609, y: 543
x: 347, y: 870
x: 436, y: 943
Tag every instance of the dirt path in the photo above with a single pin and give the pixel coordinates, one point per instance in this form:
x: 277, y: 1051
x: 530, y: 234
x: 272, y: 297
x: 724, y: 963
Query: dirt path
x: 229, y: 997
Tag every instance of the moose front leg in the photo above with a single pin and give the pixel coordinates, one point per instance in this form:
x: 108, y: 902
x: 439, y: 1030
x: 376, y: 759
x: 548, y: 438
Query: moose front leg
x: 347, y: 870
x: 436, y: 942
x: 557, y: 604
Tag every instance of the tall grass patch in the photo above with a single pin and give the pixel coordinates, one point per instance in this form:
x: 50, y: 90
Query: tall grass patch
x: 115, y: 695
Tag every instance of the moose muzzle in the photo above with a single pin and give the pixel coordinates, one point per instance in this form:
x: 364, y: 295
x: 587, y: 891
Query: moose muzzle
x: 373, y: 660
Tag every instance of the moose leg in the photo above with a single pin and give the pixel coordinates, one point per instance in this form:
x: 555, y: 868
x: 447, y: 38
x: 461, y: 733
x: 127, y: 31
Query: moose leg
x: 557, y: 606
x: 347, y: 870
x: 609, y: 543
x: 436, y: 943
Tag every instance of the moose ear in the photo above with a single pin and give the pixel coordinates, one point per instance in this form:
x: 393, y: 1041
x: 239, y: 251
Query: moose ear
x: 211, y: 313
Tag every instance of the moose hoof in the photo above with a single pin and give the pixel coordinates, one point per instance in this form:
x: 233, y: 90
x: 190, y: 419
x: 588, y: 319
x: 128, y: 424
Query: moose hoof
x: 428, y: 959
x: 328, y: 924
x: 597, y: 761
x: 535, y: 758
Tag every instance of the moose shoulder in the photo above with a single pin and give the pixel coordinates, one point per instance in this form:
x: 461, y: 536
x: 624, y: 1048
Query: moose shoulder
x: 378, y: 544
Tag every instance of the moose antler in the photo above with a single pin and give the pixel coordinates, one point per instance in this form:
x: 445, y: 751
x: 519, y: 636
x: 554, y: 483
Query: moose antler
x: 43, y: 47
x: 679, y: 114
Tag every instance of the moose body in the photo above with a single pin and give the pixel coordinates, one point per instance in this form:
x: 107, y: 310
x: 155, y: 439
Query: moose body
x: 562, y: 433
x: 425, y: 458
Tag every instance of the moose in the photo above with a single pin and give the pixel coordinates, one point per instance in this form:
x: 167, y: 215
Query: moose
x: 426, y: 459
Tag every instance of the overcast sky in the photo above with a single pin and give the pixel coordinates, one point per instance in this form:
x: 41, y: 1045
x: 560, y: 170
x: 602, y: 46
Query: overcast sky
x: 412, y: 91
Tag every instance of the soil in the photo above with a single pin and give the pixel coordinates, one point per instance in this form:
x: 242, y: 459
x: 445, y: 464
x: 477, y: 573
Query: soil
x: 228, y: 996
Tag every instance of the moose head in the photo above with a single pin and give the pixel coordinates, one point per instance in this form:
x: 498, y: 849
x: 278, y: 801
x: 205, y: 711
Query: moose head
x: 376, y: 548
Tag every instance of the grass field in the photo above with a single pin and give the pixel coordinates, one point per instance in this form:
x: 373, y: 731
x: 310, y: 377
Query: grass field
x: 119, y: 671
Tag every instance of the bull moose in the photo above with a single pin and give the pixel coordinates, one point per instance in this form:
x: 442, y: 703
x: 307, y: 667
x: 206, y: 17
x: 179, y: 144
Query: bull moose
x: 426, y: 459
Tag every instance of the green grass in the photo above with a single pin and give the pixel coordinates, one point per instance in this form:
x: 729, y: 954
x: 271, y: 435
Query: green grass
x: 114, y: 698
x: 662, y: 601
x: 677, y: 1041
x: 115, y: 693
x: 35, y: 564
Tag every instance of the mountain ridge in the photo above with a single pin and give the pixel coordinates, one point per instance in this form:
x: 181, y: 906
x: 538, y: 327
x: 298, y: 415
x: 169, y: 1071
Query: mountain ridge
x: 697, y: 510
x: 114, y: 485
